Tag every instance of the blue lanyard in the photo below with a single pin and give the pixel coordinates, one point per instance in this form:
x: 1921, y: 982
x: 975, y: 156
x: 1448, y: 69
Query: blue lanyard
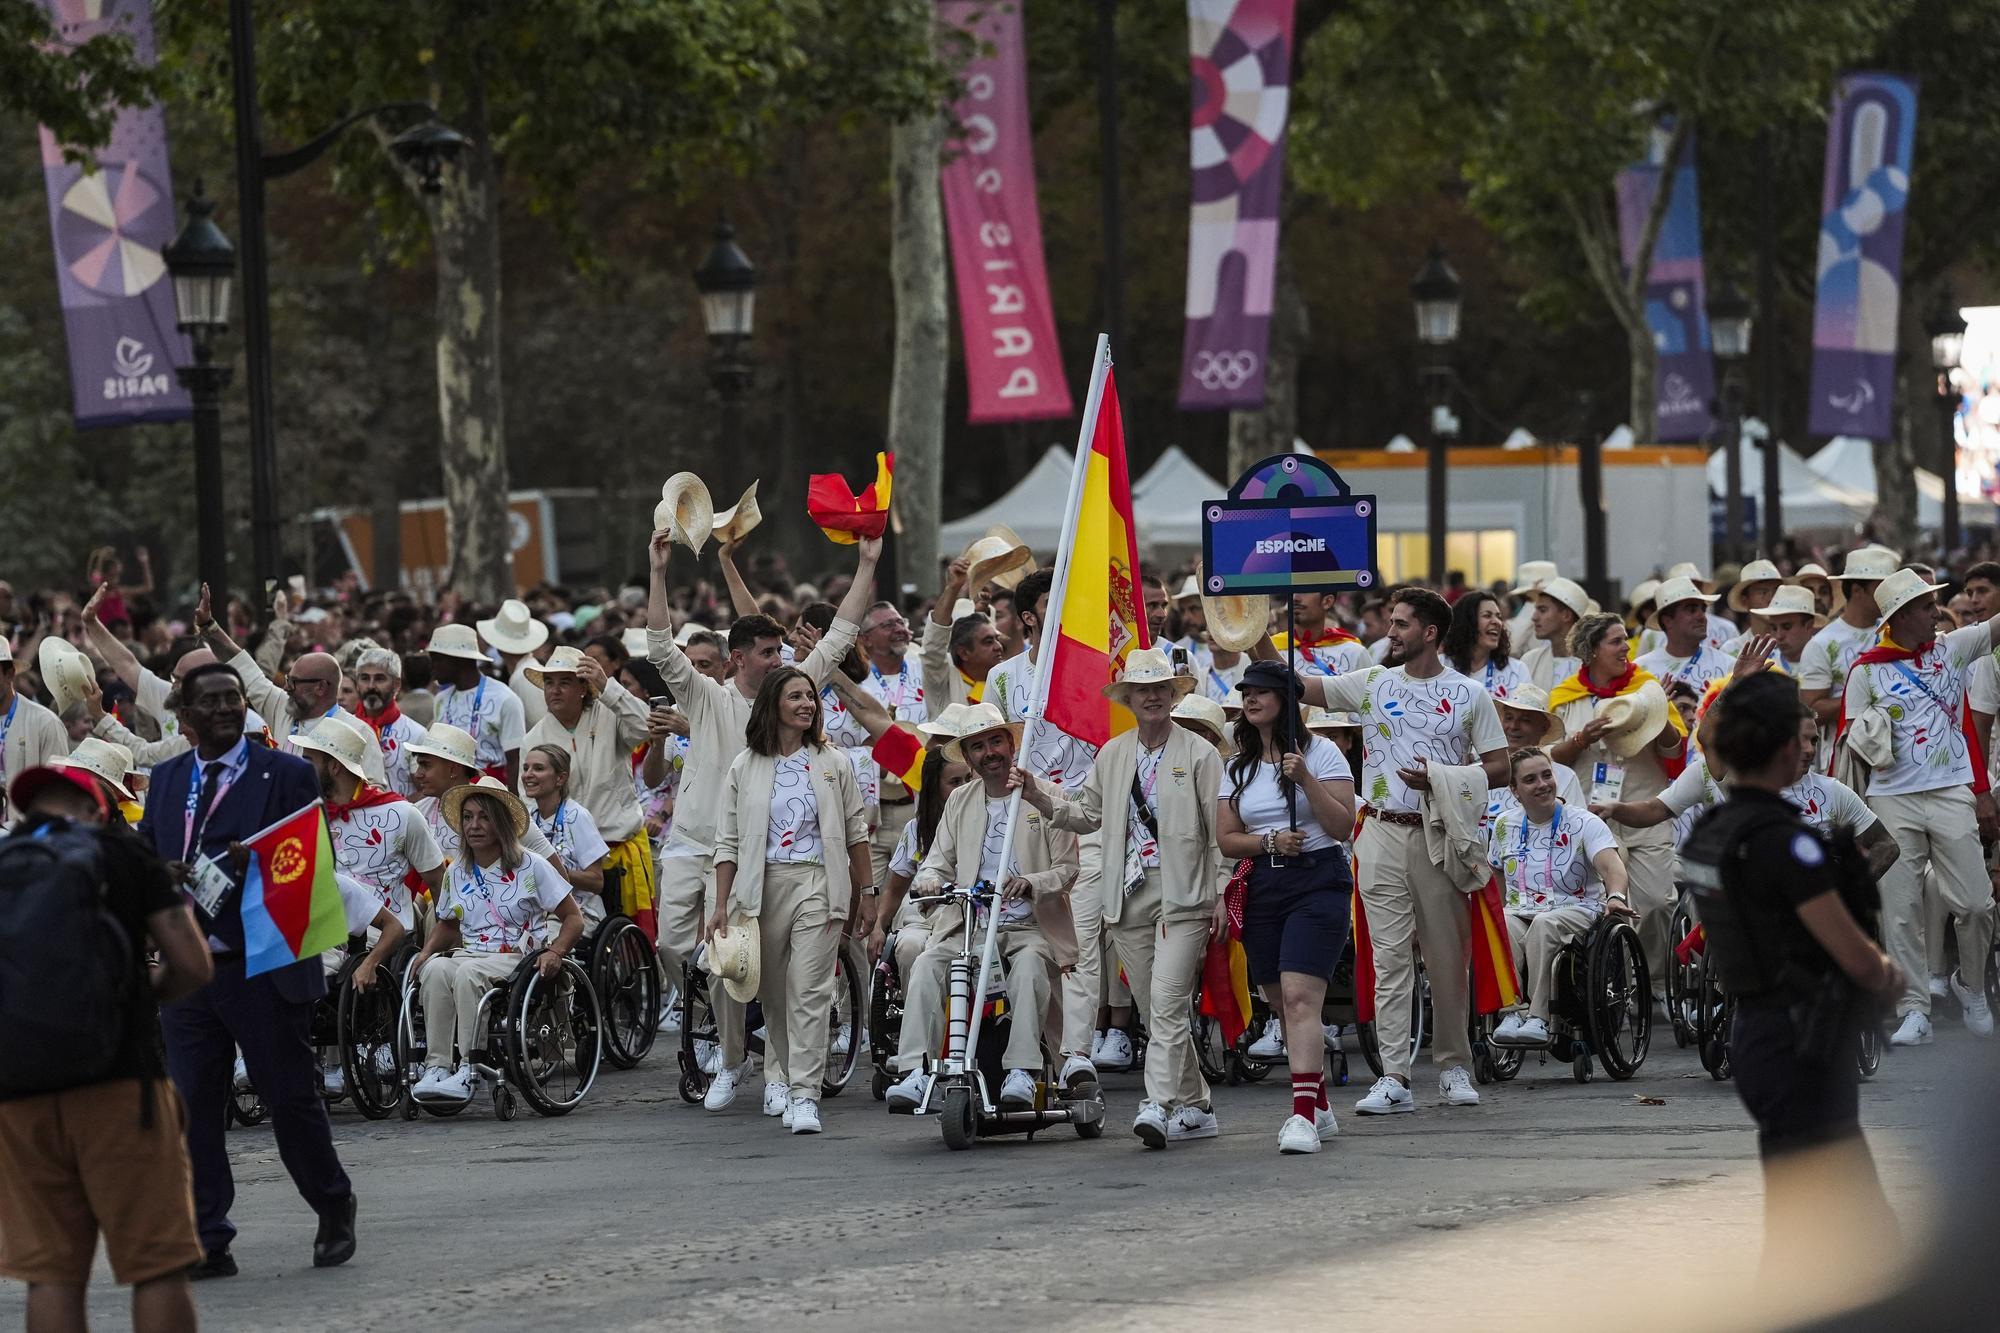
x: 7, y: 725
x: 478, y: 697
x: 554, y: 834
x: 1549, y: 861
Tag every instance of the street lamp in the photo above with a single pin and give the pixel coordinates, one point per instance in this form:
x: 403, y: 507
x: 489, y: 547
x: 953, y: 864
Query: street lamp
x: 1729, y: 321
x: 1947, y: 329
x: 1437, y: 295
x: 727, y: 281
x: 203, y: 265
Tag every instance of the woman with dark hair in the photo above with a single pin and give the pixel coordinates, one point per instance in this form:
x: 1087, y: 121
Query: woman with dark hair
x: 1287, y: 805
x: 1476, y: 644
x: 791, y: 853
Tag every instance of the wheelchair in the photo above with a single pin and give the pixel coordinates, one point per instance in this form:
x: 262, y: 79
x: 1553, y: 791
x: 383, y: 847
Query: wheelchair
x: 624, y: 971
x: 885, y: 1019
x: 1684, y: 973
x: 361, y: 1026
x: 1602, y: 1008
x: 1235, y: 1064
x: 850, y: 1016
x: 541, y: 1037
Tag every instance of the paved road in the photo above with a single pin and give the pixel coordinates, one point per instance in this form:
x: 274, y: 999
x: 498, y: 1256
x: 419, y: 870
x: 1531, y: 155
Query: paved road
x: 638, y: 1212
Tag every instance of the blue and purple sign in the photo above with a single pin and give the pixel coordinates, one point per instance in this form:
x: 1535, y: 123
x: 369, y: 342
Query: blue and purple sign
x: 1289, y: 523
x: 1676, y: 292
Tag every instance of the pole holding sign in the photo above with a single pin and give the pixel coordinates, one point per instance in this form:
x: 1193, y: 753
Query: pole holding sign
x: 1289, y: 524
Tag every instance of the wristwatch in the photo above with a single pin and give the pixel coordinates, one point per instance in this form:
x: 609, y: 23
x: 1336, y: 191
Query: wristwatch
x: 871, y: 890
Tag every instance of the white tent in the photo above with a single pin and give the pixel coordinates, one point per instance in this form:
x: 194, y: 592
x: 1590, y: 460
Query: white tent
x: 1810, y: 500
x: 1167, y: 501
x: 1033, y: 509
x: 1849, y: 461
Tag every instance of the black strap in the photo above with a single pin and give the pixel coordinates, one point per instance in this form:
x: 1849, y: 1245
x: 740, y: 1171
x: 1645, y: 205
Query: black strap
x: 1146, y: 815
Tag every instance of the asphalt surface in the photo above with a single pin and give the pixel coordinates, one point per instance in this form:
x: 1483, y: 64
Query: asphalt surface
x: 641, y: 1212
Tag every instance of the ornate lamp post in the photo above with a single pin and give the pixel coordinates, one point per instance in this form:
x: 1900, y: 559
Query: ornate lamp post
x: 1437, y: 295
x: 1729, y: 320
x: 203, y: 265
x: 727, y: 281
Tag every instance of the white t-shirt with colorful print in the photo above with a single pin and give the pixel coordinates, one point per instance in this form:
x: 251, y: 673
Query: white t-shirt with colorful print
x: 1924, y: 697
x: 1547, y: 866
x: 497, y: 909
x: 1446, y: 719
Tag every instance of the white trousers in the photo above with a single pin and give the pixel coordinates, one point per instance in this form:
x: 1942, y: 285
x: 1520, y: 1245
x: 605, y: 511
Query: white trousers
x: 452, y: 987
x: 1938, y: 832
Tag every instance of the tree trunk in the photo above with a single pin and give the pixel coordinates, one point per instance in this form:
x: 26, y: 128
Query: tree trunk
x: 466, y: 232
x: 1642, y: 411
x: 923, y: 344
x: 1254, y: 436
x: 1912, y: 427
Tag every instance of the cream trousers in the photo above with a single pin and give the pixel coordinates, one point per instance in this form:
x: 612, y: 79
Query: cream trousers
x: 1094, y: 981
x: 1938, y: 832
x: 1162, y: 960
x: 799, y: 941
x: 1412, y: 904
x: 452, y: 986
x: 1537, y: 938
x: 687, y: 896
x: 1024, y: 959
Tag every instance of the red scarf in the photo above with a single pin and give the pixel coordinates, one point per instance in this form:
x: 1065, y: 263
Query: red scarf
x: 389, y: 717
x: 1326, y: 634
x: 1888, y: 651
x: 1611, y: 691
x: 365, y: 797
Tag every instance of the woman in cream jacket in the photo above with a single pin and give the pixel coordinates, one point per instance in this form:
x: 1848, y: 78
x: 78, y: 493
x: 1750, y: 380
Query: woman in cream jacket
x: 791, y: 852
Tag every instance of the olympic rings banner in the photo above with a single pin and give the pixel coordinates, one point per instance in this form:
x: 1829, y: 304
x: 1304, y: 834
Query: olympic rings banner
x: 1676, y: 291
x: 1869, y: 146
x: 1240, y: 56
x: 109, y: 227
x: 1013, y: 366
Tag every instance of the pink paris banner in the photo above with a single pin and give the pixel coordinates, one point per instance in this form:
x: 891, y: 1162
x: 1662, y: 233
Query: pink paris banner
x: 108, y: 227
x: 1240, y: 52
x: 1013, y: 367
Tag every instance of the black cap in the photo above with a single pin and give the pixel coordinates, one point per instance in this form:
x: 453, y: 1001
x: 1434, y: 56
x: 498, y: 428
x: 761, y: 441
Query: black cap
x: 1265, y: 674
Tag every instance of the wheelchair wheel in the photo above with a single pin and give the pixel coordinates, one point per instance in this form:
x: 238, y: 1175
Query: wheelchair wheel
x: 1210, y: 1055
x: 1869, y: 1051
x: 1619, y: 1000
x: 626, y: 976
x: 552, y: 1036
x: 1681, y: 978
x: 1713, y: 1015
x: 955, y: 1118
x: 849, y: 1015
x: 885, y: 1007
x: 367, y: 1025
x: 697, y: 1026
x: 246, y: 1107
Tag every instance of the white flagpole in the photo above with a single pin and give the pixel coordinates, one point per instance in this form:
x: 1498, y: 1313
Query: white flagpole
x: 1093, y: 403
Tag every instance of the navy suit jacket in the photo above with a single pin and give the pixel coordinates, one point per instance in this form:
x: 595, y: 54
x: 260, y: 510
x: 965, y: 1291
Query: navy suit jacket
x: 273, y: 785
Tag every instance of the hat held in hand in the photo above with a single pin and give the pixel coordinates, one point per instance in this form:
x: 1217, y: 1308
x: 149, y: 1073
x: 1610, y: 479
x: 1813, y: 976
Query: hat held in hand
x: 685, y: 513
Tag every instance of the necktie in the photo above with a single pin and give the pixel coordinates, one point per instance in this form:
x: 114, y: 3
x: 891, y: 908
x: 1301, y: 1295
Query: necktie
x: 211, y: 775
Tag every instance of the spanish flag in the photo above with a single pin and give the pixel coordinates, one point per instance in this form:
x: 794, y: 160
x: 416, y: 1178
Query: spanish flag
x: 901, y: 754
x: 1494, y: 983
x: 1102, y: 617
x: 844, y: 516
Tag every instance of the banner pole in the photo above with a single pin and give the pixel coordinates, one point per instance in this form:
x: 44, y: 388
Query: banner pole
x: 1093, y: 404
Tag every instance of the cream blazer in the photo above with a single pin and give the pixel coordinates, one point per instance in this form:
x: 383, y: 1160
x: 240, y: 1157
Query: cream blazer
x: 746, y: 824
x: 1044, y: 855
x: 1183, y: 805
x: 944, y: 683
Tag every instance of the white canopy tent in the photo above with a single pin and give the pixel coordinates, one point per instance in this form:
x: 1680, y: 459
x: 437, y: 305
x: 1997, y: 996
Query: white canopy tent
x: 1810, y: 500
x: 1034, y: 509
x: 1849, y: 462
x: 1167, y: 500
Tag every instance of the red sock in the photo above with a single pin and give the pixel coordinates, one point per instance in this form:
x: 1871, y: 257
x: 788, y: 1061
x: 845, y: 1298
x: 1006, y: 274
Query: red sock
x: 1307, y: 1094
x: 1322, y: 1094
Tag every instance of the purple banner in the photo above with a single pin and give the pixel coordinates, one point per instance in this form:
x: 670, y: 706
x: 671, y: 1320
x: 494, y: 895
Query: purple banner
x: 1869, y: 146
x: 1240, y: 52
x: 109, y: 227
x: 1676, y: 291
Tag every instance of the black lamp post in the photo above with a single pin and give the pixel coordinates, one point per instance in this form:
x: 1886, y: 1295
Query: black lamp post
x: 203, y: 265
x: 1438, y: 296
x: 1947, y: 329
x: 1729, y: 321
x: 424, y: 149
x: 727, y: 281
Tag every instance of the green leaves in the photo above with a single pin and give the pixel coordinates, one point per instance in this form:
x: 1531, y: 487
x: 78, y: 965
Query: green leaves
x: 75, y: 92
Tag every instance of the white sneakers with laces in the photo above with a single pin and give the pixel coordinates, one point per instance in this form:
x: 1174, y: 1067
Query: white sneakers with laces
x: 1300, y: 1135
x: 1189, y: 1122
x: 425, y: 1089
x: 1115, y: 1053
x: 1151, y: 1125
x: 1018, y: 1092
x: 722, y: 1088
x: 1508, y: 1031
x: 1387, y: 1097
x: 777, y: 1097
x: 1077, y: 1070
x: 1532, y: 1032
x: 907, y: 1094
x: 1272, y: 1044
x: 1455, y: 1085
x: 1978, y: 1014
x: 456, y: 1087
x: 1915, y: 1030
x: 708, y: 1055
x: 803, y: 1118
x: 1325, y: 1125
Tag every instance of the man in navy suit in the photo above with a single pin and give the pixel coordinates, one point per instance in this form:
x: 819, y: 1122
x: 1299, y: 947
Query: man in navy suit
x: 201, y: 804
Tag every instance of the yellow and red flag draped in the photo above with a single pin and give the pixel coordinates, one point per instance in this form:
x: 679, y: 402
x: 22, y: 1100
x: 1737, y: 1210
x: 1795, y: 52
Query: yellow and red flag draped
x: 1102, y: 618
x: 900, y: 752
x: 1494, y: 983
x: 844, y: 516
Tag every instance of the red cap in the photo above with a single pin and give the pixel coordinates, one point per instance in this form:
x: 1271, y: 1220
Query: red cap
x: 34, y: 780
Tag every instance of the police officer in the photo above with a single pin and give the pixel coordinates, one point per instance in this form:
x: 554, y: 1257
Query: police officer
x: 1787, y: 921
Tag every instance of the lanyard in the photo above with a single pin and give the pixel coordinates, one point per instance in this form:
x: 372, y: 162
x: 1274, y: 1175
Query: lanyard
x: 1549, y: 861
x: 554, y: 830
x: 902, y: 684
x: 1918, y: 681
x: 478, y: 698
x: 191, y: 835
x: 7, y: 725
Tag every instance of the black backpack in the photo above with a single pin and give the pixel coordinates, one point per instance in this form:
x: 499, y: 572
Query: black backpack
x: 68, y: 969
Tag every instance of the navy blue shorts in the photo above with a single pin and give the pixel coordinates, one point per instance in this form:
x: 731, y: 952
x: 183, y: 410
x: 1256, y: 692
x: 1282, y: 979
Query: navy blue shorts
x: 1295, y: 915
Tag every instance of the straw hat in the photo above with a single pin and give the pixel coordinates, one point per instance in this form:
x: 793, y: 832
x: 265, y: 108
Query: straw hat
x: 1533, y: 699
x: 1326, y: 719
x: 515, y: 630
x: 998, y: 557
x: 1568, y: 593
x: 945, y: 725
x: 1532, y: 574
x: 1757, y: 571
x: 1642, y: 593
x: 1792, y: 600
x: 634, y: 640
x: 1901, y: 588
x: 452, y: 744
x: 338, y: 741
x: 455, y: 641
x: 1234, y: 623
x: 1635, y: 719
x: 1689, y: 570
x: 734, y: 523
x: 1672, y: 593
x: 1204, y: 716
x: 1232, y: 702
x: 562, y: 662
x: 1869, y: 564
x: 978, y: 720
x: 733, y: 957
x: 1147, y: 666
x: 962, y: 608
x: 107, y: 760
x: 66, y: 671
x: 454, y: 803
x: 1190, y: 589
x: 685, y: 513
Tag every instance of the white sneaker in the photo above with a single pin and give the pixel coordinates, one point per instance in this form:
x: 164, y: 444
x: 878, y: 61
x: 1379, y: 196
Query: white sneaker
x: 456, y: 1087
x: 777, y: 1097
x: 1387, y: 1097
x: 761, y: 1036
x: 708, y: 1057
x: 1151, y: 1125
x: 1940, y: 986
x: 1018, y: 1092
x: 1097, y: 1046
x: 242, y: 1075
x: 1272, y: 1044
x: 803, y: 1118
x: 1455, y: 1086
x: 907, y: 1094
x: 385, y: 1061
x: 1077, y: 1070
x: 722, y: 1089
x: 785, y: 1120
x: 1191, y: 1122
x: 1978, y: 1014
x: 426, y: 1087
x: 840, y: 1041
x: 1914, y: 1031
x: 1298, y: 1135
x: 1326, y: 1125
x: 334, y: 1080
x: 1533, y: 1032
x: 1508, y: 1031
x: 1117, y: 1051
x: 1330, y: 1034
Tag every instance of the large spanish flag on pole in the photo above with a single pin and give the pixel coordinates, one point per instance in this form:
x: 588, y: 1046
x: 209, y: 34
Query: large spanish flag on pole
x: 1102, y: 616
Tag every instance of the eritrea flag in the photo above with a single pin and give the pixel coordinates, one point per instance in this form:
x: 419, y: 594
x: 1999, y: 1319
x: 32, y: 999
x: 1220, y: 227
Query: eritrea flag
x: 291, y: 905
